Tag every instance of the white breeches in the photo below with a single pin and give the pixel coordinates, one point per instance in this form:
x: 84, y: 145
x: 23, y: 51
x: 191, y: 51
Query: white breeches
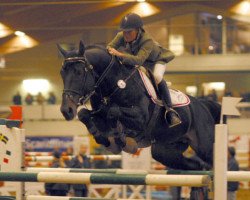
x: 159, y: 70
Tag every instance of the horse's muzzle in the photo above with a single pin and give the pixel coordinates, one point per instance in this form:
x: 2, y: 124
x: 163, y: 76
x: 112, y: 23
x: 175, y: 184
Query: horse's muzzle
x: 68, y: 109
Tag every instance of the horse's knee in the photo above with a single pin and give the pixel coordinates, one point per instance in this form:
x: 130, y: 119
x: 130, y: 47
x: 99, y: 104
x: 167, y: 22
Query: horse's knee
x: 102, y: 140
x: 84, y: 115
x: 114, y: 112
x: 113, y: 115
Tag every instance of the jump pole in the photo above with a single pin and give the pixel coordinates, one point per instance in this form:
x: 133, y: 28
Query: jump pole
x: 91, y: 157
x: 231, y: 175
x: 35, y: 197
x: 102, y: 178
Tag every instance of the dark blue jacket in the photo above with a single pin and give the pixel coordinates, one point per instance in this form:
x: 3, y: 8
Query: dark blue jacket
x: 75, y: 163
x: 233, y: 166
x: 56, y: 186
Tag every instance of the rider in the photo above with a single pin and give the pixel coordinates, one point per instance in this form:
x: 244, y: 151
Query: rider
x: 140, y: 49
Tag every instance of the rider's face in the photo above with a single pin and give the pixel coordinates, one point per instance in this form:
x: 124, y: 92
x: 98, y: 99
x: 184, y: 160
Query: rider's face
x: 130, y: 36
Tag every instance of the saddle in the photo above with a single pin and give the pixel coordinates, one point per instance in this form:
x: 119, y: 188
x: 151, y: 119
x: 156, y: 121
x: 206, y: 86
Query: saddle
x: 178, y: 98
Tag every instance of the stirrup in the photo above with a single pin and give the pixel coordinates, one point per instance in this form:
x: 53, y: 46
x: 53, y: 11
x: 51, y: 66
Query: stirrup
x: 169, y: 115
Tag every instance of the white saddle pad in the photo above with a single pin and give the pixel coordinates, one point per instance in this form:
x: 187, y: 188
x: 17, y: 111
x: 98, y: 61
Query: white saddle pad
x: 178, y: 98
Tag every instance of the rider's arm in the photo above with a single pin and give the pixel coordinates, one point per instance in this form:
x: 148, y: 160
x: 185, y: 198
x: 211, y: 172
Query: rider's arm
x: 141, y: 56
x: 117, y: 42
x: 166, y: 55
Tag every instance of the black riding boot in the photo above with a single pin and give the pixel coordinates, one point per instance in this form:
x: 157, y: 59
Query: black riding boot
x: 171, y: 116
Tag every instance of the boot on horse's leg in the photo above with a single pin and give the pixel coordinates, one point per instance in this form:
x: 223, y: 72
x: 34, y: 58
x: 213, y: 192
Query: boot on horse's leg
x: 171, y: 116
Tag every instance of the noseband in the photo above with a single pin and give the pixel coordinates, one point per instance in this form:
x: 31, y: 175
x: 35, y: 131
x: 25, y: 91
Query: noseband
x: 88, y: 67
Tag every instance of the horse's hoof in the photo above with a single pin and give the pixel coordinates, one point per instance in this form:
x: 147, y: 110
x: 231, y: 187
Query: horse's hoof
x: 113, y: 147
x: 131, y: 146
x: 102, y: 140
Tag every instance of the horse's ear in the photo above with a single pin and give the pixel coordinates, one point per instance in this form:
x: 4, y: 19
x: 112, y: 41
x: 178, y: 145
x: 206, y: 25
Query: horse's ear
x: 62, y: 51
x: 81, y: 49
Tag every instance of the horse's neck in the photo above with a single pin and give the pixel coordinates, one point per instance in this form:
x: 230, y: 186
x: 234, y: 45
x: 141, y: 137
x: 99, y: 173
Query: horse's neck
x: 99, y: 59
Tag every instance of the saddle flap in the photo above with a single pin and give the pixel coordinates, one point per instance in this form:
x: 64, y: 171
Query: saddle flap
x: 178, y: 98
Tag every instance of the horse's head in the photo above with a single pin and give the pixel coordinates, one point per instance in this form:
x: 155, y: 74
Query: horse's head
x: 78, y: 80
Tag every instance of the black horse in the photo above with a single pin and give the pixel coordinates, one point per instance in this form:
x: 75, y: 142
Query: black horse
x: 124, y: 115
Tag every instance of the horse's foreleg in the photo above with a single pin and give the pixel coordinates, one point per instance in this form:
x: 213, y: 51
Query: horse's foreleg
x: 84, y: 116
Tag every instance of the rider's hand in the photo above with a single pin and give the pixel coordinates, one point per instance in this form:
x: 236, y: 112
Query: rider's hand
x: 114, y: 52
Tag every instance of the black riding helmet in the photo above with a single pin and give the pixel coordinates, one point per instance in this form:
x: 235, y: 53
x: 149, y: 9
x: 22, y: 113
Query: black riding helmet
x: 130, y: 22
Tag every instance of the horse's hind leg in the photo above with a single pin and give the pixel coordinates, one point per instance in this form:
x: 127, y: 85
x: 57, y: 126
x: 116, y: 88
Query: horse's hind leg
x: 171, y: 155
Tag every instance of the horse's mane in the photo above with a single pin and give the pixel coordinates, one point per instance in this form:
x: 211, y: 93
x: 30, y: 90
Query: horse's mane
x: 97, y: 46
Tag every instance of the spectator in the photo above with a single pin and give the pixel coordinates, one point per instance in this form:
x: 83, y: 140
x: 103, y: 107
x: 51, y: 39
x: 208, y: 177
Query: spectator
x: 213, y: 96
x: 17, y: 99
x: 80, y: 161
x: 52, y: 98
x: 40, y: 99
x: 29, y: 99
x: 57, y: 189
x: 69, y: 152
x: 233, y: 165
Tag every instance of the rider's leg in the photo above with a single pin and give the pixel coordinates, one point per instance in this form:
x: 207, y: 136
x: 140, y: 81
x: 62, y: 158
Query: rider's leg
x: 171, y: 115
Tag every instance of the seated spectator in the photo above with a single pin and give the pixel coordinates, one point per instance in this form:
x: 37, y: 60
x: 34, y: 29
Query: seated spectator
x: 40, y: 99
x: 17, y: 99
x: 57, y: 189
x: 29, y: 99
x: 52, y: 98
x: 80, y: 161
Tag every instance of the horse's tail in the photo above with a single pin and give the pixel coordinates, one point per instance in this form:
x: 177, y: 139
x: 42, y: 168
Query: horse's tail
x: 214, y: 108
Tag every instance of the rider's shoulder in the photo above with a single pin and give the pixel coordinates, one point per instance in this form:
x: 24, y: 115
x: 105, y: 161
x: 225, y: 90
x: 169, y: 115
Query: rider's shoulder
x: 146, y: 37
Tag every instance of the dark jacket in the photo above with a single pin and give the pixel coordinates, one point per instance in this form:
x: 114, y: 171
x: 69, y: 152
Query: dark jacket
x: 144, y: 51
x: 74, y: 163
x: 56, y: 186
x: 233, y: 166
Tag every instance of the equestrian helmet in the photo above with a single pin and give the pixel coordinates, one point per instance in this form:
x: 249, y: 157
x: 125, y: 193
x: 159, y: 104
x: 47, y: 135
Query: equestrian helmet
x: 130, y: 22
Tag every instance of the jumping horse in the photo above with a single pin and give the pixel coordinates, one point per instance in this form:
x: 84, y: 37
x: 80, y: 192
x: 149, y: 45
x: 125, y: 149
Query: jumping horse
x: 123, y: 113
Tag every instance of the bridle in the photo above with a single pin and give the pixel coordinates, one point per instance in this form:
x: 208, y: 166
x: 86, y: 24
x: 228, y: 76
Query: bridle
x: 88, y: 67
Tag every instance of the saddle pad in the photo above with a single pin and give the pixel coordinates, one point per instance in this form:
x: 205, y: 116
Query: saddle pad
x: 178, y: 98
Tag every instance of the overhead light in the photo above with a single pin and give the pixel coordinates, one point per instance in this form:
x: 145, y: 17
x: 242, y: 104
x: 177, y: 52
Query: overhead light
x: 34, y: 86
x: 211, y: 48
x: 141, y: 0
x: 18, y: 43
x: 242, y: 8
x: 4, y: 31
x: 19, y: 33
x: 219, y: 17
x: 2, y: 62
x: 145, y: 9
